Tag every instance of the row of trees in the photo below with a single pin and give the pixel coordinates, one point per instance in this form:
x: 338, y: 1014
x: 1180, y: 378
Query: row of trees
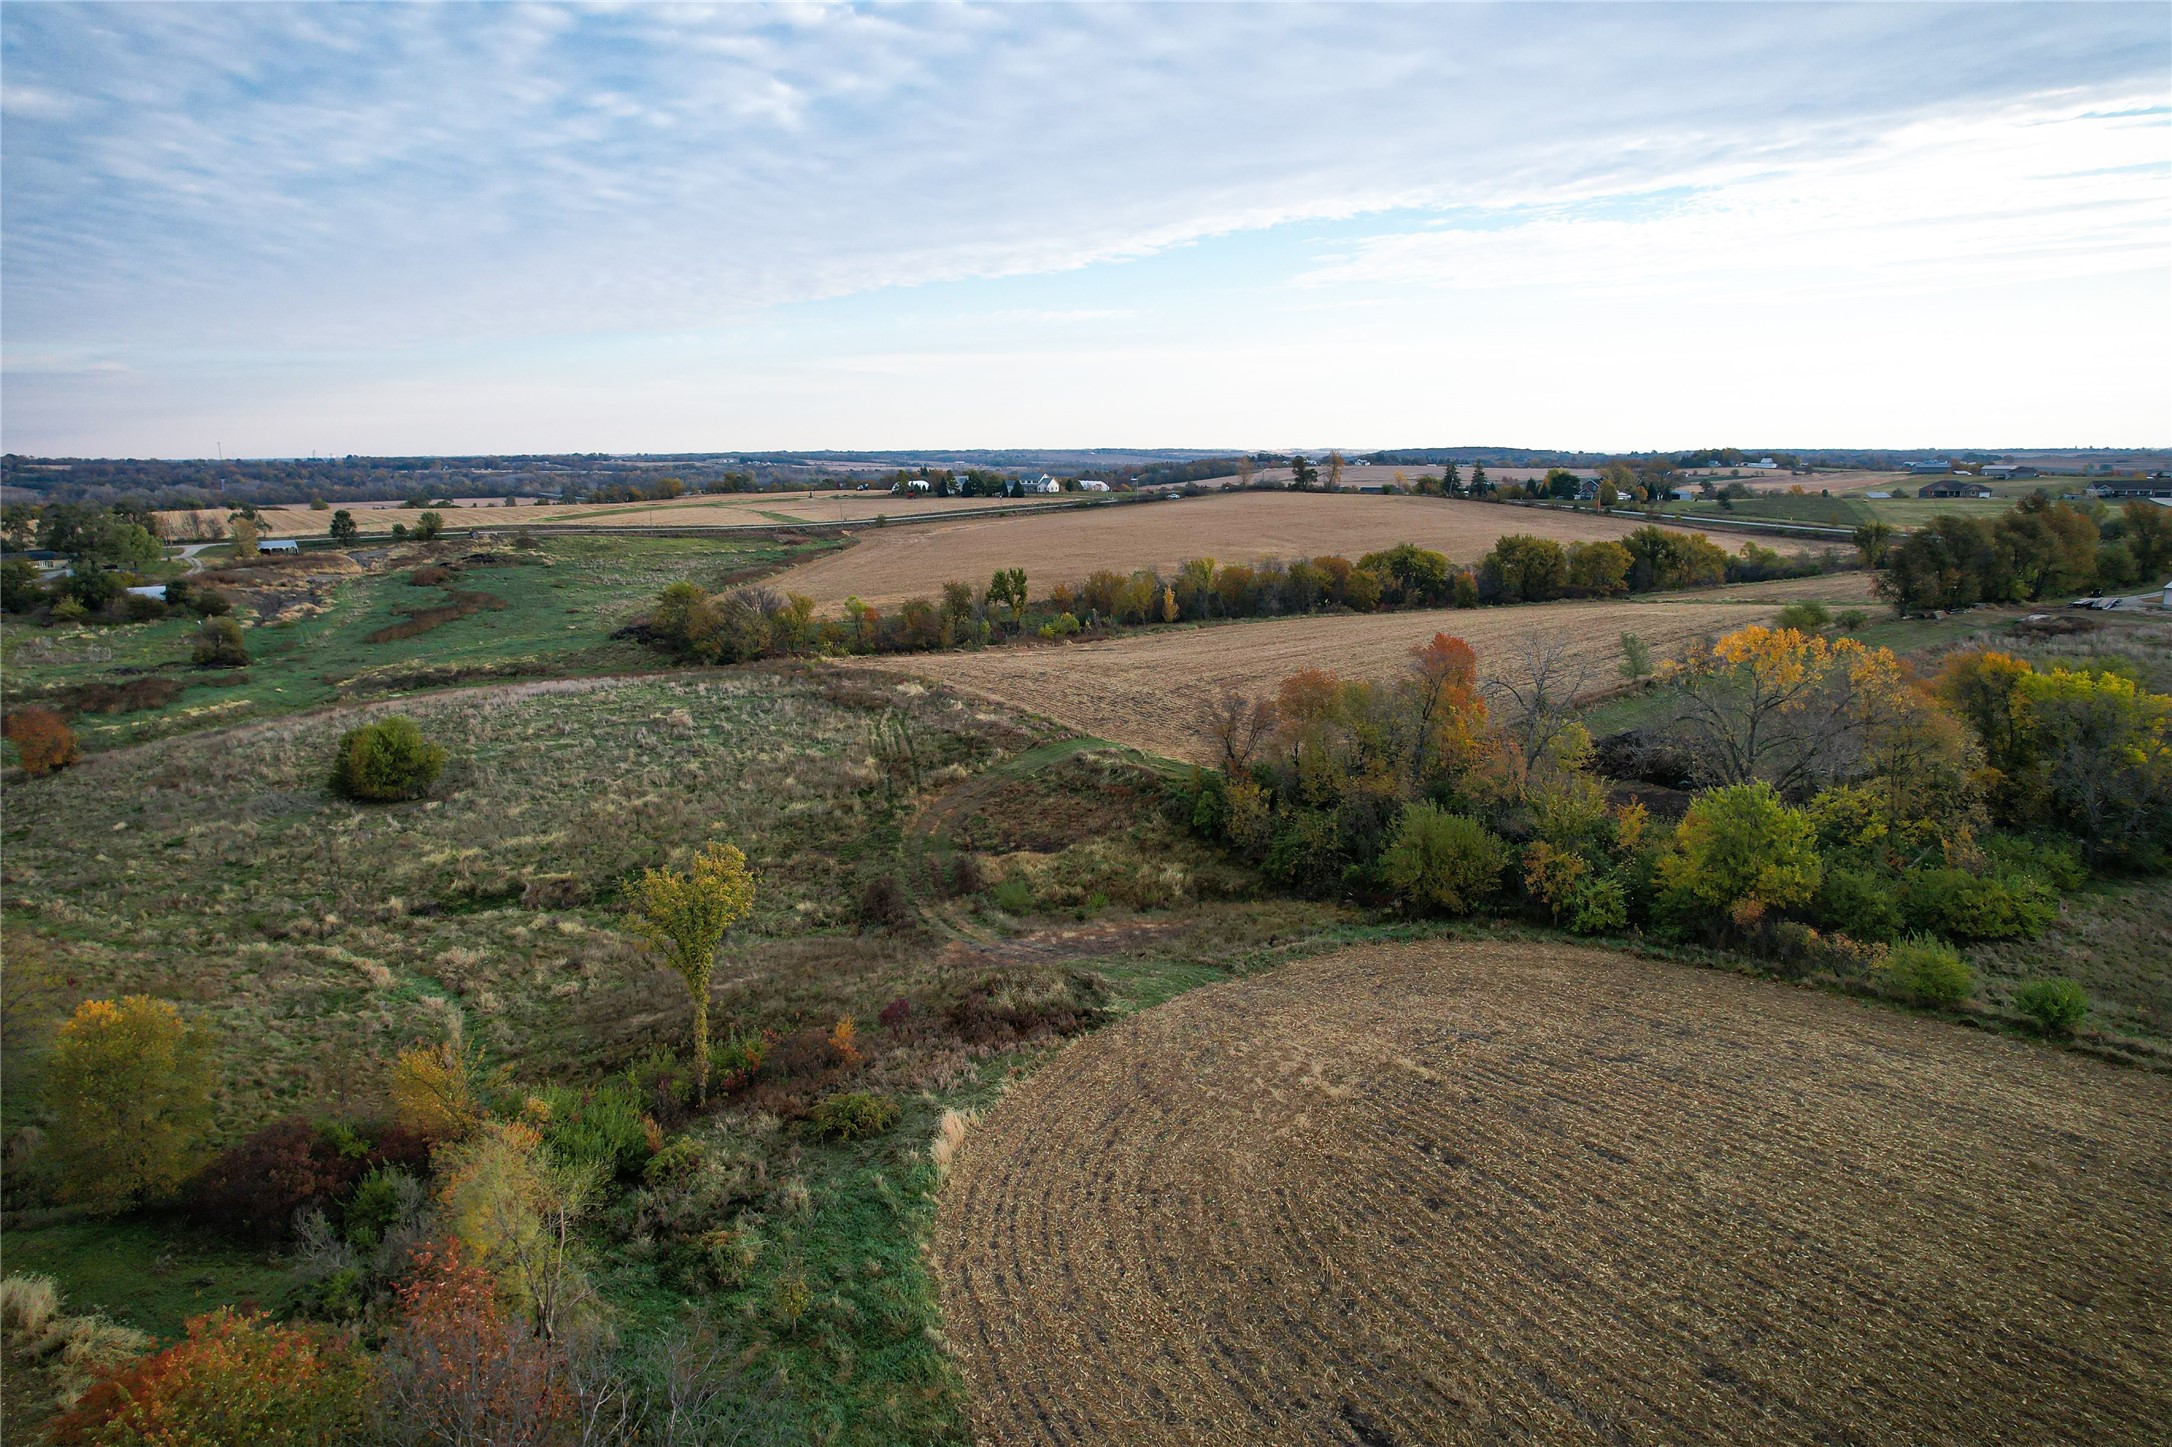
x: 692, y: 623
x: 2039, y: 548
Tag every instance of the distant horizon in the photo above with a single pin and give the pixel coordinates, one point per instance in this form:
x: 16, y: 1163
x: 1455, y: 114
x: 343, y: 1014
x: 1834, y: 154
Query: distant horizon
x: 877, y: 454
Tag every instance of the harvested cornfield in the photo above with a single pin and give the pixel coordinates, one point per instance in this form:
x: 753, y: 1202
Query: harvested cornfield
x: 1066, y: 546
x: 1146, y: 689
x: 1528, y: 1193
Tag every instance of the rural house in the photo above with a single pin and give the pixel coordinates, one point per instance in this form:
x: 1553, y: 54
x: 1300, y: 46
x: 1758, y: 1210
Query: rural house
x: 1958, y: 487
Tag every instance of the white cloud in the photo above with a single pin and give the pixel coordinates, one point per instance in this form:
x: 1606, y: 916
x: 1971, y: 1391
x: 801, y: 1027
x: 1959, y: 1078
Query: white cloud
x: 240, y: 196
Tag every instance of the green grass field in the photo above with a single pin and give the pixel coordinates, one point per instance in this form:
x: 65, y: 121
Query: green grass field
x: 561, y: 604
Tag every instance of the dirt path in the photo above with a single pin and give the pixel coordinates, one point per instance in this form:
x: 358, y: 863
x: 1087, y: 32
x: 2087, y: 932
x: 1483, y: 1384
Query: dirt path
x: 1464, y: 1193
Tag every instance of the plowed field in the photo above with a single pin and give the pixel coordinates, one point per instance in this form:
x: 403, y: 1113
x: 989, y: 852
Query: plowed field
x: 1522, y: 1193
x: 1146, y: 689
x: 1064, y: 547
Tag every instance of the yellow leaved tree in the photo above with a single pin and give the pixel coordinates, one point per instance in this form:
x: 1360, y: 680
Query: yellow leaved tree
x: 685, y: 916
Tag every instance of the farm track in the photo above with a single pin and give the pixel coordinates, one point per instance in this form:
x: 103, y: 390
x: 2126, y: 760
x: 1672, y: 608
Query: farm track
x: 1145, y: 689
x: 1450, y: 1193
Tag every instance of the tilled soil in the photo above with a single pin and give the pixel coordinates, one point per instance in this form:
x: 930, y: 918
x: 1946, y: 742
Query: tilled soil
x: 1518, y: 1193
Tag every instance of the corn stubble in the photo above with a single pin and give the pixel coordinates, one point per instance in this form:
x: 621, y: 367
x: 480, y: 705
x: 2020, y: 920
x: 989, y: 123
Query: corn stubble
x: 1445, y: 1193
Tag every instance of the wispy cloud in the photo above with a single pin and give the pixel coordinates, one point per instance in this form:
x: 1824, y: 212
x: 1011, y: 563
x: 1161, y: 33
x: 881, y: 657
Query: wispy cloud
x: 270, y: 181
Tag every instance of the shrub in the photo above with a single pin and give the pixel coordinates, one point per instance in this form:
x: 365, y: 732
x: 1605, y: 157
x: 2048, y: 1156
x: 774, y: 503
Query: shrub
x: 1442, y: 861
x: 1925, y: 972
x: 235, y: 1379
x: 255, y: 1187
x: 459, y: 1368
x: 219, y: 644
x: 679, y: 1161
x: 429, y: 525
x: 1738, y: 852
x: 386, y: 1199
x: 1859, y: 904
x: 736, y: 1062
x: 2054, y: 1007
x: 604, y: 1128
x: 1304, y: 851
x: 1063, y: 626
x: 1964, y: 905
x: 129, y: 1091
x: 883, y: 904
x: 1014, y: 895
x: 435, y: 1090
x: 386, y: 760
x: 1803, y: 617
x: 142, y: 609
x: 1636, y: 657
x: 2058, y: 862
x: 43, y: 741
x: 1598, y: 905
x: 853, y: 1115
x: 896, y: 1014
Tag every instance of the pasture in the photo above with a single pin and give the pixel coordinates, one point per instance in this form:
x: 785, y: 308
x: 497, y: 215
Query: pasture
x: 1145, y: 689
x: 742, y: 509
x: 1507, y: 1193
x: 1064, y: 547
x: 327, y: 630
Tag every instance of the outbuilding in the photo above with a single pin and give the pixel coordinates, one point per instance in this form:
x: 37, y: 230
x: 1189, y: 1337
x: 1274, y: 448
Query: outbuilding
x: 278, y: 545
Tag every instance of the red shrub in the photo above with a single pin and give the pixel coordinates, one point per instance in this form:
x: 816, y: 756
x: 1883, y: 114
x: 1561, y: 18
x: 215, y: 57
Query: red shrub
x: 255, y: 1188
x: 459, y: 1369
x: 44, y: 742
x: 235, y: 1379
x: 896, y: 1013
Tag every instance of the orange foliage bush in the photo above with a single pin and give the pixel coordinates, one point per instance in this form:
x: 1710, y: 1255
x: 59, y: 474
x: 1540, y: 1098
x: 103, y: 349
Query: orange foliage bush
x: 237, y: 1378
x: 43, y: 740
x: 460, y: 1368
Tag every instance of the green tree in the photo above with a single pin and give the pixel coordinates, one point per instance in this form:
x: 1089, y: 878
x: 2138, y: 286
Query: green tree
x: 429, y: 525
x: 343, y: 527
x: 1008, y: 587
x: 129, y: 1092
x: 1873, y: 540
x: 2148, y: 530
x: 685, y: 916
x: 1525, y: 569
x: 1738, y: 852
x: 244, y: 537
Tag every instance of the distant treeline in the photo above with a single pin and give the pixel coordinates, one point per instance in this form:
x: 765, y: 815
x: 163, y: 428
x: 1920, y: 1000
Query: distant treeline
x: 690, y: 623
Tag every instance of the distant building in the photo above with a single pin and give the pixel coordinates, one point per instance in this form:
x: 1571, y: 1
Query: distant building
x: 2134, y: 487
x: 1684, y: 494
x: 1043, y: 484
x: 2009, y: 470
x: 1958, y: 487
x: 149, y: 590
x: 1768, y: 465
x: 1930, y: 469
x: 1878, y: 494
x: 1090, y: 485
x: 911, y: 484
x: 278, y: 545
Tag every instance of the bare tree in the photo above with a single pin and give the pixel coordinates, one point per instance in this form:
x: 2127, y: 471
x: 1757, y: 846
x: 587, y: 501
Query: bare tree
x: 1534, y: 692
x: 1236, y: 726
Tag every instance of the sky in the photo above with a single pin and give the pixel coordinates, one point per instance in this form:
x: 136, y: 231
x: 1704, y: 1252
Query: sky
x: 273, y: 230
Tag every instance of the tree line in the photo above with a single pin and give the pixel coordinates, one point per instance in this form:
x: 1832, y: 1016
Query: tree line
x: 690, y: 622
